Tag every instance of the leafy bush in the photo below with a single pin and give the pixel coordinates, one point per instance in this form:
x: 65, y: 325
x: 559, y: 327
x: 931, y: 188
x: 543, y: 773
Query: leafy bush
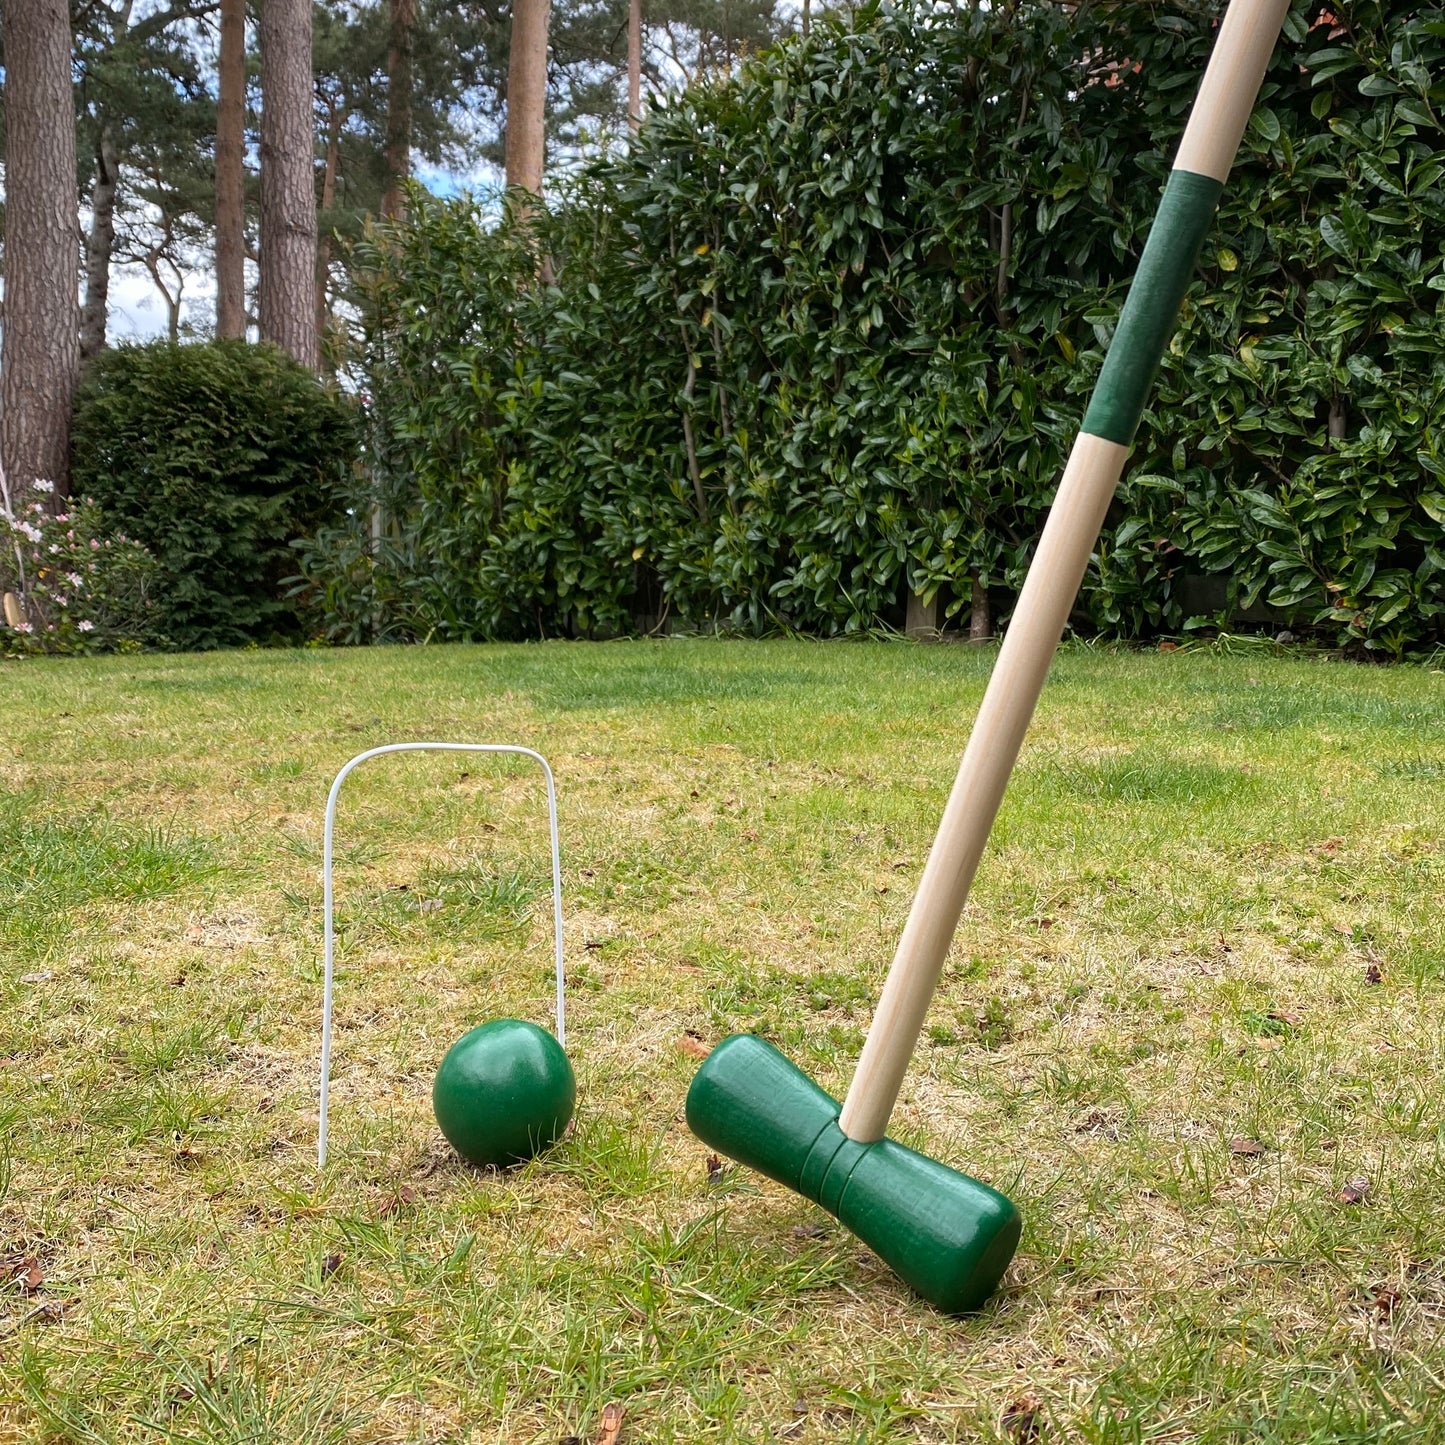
x: 215, y: 457
x: 82, y: 589
x: 823, y: 336
x: 495, y: 402
x: 1296, y: 449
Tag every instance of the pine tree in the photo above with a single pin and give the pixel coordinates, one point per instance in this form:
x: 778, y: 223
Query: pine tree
x: 145, y: 117
x: 230, y: 200
x: 41, y: 350
x: 634, y: 64
x: 527, y: 95
x: 288, y: 197
x: 398, y: 104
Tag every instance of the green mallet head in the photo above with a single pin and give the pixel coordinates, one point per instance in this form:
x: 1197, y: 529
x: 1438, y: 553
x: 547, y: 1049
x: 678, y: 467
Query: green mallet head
x: 504, y: 1092
x: 944, y: 1234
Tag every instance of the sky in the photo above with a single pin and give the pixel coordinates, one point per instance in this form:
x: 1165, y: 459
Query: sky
x: 137, y: 310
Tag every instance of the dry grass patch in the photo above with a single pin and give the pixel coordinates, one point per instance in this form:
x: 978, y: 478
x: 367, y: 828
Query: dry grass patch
x: 1197, y: 993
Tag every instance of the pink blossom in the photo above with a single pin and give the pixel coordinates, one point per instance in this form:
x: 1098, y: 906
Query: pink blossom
x: 95, y: 544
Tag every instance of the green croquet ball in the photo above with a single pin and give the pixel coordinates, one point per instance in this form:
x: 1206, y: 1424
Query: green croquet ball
x: 504, y: 1092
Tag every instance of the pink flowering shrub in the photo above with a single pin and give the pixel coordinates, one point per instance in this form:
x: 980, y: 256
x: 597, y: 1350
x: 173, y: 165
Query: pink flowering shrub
x: 80, y: 588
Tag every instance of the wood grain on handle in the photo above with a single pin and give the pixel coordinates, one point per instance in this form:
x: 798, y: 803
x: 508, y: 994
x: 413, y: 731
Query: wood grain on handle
x: 1018, y: 677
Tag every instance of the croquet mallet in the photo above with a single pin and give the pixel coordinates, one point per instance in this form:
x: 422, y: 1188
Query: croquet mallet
x: 948, y: 1236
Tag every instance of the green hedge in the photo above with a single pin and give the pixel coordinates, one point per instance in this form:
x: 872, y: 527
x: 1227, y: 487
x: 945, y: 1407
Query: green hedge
x: 824, y: 336
x: 215, y: 457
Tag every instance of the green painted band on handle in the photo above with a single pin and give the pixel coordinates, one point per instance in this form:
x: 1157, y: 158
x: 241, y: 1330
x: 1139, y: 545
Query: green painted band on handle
x: 1152, y: 306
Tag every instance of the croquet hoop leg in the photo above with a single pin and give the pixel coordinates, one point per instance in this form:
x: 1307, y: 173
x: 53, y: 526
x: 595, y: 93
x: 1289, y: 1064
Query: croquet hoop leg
x: 328, y: 893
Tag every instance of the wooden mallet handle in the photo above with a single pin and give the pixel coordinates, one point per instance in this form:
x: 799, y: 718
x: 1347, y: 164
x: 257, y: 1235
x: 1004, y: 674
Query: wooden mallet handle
x: 1216, y: 125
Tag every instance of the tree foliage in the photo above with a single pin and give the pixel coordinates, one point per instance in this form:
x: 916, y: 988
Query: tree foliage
x: 145, y: 113
x: 824, y: 335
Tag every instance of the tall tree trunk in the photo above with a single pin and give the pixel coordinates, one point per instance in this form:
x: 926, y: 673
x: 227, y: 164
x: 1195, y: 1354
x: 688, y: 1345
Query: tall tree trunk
x: 231, y: 173
x: 634, y: 64
x: 328, y: 200
x: 808, y: 18
x: 980, y: 615
x: 40, y: 363
x: 99, y: 246
x: 527, y: 95
x: 288, y: 188
x: 398, y: 105
x: 921, y: 618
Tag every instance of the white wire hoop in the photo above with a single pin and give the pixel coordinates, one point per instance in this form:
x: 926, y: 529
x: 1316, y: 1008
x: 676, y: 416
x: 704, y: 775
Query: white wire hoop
x: 330, y: 897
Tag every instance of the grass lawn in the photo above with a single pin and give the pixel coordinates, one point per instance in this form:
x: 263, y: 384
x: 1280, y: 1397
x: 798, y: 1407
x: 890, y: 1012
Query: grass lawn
x: 1199, y: 988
